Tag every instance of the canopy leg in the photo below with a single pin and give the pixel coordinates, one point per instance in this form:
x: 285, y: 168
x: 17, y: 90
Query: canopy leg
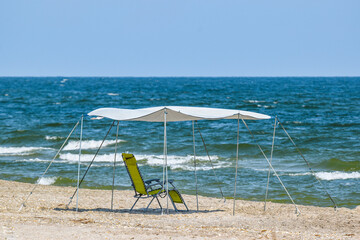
x: 113, y: 182
x: 297, y: 211
x: 271, y: 155
x: 82, y: 179
x: 60, y: 149
x: 78, y: 177
x: 212, y: 166
x: 308, y: 164
x: 196, y: 185
x: 237, y: 160
x: 165, y: 167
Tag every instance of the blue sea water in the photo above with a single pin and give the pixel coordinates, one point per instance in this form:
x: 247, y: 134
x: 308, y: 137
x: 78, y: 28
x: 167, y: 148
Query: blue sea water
x: 322, y: 115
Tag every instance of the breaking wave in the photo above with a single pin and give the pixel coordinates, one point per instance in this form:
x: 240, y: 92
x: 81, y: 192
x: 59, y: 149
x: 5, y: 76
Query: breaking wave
x: 46, y: 180
x: 174, y: 161
x: 328, y: 176
x: 89, y: 144
x: 337, y: 175
x: 53, y: 138
x: 70, y: 157
x: 6, y: 151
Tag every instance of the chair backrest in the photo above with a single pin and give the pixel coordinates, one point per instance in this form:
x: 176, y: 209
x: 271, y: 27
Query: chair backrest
x: 134, y: 173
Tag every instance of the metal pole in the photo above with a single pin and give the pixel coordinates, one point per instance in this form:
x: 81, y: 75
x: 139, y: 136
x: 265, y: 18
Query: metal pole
x: 37, y: 183
x: 78, y: 177
x: 237, y: 160
x: 166, y: 167
x: 196, y: 186
x: 271, y: 155
x: 113, y: 183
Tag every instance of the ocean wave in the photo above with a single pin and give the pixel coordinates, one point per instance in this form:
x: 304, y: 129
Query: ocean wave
x: 53, y: 138
x: 253, y: 101
x: 71, y: 157
x: 174, y: 161
x: 328, y: 176
x: 46, y: 180
x: 89, y: 144
x: 337, y: 175
x: 113, y: 94
x: 6, y: 151
x: 33, y: 160
x: 182, y: 162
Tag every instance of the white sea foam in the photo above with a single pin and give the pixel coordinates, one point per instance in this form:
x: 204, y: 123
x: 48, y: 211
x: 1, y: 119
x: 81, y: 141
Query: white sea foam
x: 328, y: 176
x: 174, y: 162
x: 337, y: 175
x: 46, y: 180
x: 254, y: 101
x: 33, y: 160
x: 181, y: 162
x: 4, y: 151
x: 89, y: 144
x: 113, y: 94
x: 52, y: 137
x: 64, y: 80
x: 70, y: 157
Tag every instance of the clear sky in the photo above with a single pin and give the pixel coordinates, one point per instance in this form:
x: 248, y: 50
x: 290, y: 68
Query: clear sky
x: 180, y: 38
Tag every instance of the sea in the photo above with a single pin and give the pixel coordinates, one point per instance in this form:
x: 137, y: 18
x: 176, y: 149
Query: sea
x: 320, y: 114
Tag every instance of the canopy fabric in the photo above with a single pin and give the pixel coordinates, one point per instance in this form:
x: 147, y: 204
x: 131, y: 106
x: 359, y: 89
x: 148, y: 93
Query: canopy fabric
x: 174, y: 114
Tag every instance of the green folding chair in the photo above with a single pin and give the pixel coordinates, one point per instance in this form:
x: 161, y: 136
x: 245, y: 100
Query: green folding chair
x: 152, y: 188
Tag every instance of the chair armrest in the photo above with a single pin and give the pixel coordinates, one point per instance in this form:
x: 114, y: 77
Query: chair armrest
x: 152, y: 180
x: 154, y: 184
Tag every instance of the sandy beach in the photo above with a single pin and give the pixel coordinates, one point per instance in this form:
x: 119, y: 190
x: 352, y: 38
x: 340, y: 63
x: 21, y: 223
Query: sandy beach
x: 46, y: 217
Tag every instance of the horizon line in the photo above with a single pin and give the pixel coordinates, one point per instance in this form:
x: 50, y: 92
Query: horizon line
x: 190, y: 76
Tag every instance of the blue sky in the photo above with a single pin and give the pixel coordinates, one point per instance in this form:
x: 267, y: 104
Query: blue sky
x: 179, y: 38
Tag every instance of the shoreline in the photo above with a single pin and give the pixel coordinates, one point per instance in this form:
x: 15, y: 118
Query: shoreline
x: 46, y: 217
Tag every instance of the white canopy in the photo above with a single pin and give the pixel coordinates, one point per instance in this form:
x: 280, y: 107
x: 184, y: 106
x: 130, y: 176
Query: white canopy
x: 174, y: 114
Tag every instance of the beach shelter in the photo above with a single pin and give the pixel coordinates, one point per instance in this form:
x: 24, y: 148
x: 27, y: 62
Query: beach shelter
x: 167, y: 114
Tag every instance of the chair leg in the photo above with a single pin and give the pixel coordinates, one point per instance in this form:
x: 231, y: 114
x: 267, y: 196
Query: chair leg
x: 187, y: 209
x: 134, y: 204
x: 158, y: 202
x: 150, y: 203
x: 176, y: 210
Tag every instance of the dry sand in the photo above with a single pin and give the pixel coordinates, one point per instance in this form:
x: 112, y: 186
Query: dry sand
x: 46, y: 217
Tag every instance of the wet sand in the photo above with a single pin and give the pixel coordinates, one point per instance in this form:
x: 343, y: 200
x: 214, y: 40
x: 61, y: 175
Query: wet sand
x: 46, y: 217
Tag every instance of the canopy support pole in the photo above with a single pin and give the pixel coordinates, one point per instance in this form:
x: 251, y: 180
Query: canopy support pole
x: 271, y: 156
x: 297, y: 211
x: 78, y: 177
x: 196, y: 185
x: 308, y: 164
x: 166, y: 165
x: 82, y: 179
x: 113, y: 182
x: 212, y: 166
x: 237, y: 160
x: 61, y: 148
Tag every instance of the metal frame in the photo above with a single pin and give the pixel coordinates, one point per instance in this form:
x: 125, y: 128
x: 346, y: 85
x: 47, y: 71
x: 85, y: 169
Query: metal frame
x: 150, y: 185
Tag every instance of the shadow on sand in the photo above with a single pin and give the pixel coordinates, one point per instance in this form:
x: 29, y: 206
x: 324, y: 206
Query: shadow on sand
x: 150, y: 211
